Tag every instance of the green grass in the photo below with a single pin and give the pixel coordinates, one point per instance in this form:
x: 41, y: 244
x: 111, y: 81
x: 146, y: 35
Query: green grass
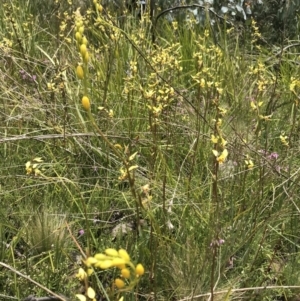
x: 161, y: 102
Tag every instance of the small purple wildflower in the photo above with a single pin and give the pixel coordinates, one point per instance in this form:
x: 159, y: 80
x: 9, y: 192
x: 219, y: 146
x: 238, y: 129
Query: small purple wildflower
x: 221, y: 241
x: 23, y: 74
x: 80, y: 232
x: 273, y: 156
x: 26, y: 76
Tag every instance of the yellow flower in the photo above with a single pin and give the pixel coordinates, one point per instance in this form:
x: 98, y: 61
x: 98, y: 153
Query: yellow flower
x: 284, y: 140
x: 81, y: 275
x: 223, y: 142
x: 38, y: 159
x: 221, y: 157
x: 28, y: 167
x: 202, y: 83
x: 214, y: 139
x: 249, y: 164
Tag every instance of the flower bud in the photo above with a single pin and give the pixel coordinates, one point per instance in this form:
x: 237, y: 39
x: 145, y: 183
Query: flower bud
x: 84, y: 41
x: 86, y: 103
x: 78, y: 37
x: 139, y: 270
x: 123, y: 254
x: 86, y: 58
x: 119, y: 283
x: 83, y: 50
x: 81, y: 29
x: 125, y: 273
x: 100, y: 8
x: 111, y: 252
x: 79, y: 72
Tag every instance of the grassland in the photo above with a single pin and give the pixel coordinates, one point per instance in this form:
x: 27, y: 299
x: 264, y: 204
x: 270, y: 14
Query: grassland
x: 184, y: 152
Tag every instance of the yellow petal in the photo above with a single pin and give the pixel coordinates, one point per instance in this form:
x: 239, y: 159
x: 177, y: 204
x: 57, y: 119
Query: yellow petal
x: 90, y: 261
x: 106, y: 264
x: 123, y: 254
x: 38, y: 159
x: 100, y: 256
x: 253, y: 106
x: 118, y: 262
x: 133, y: 167
x: 216, y: 153
x: 214, y: 139
x: 91, y: 293
x: 81, y: 297
x: 132, y: 156
x: 111, y: 252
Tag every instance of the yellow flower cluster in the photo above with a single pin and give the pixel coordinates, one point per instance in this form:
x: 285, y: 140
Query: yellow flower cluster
x: 81, y: 70
x: 98, y: 6
x: 111, y: 258
x: 284, y: 139
x: 294, y: 83
x: 209, y: 62
x: 264, y: 78
x: 218, y: 140
x: 255, y: 34
x: 33, y: 167
x: 80, y: 38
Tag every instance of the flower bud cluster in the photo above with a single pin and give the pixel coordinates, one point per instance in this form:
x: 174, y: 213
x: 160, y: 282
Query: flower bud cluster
x: 33, y: 167
x: 81, y: 39
x: 81, y: 69
x: 111, y: 258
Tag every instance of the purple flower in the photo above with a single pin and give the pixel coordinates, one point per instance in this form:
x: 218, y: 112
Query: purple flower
x: 23, y: 74
x: 221, y: 241
x: 80, y: 232
x: 273, y: 156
